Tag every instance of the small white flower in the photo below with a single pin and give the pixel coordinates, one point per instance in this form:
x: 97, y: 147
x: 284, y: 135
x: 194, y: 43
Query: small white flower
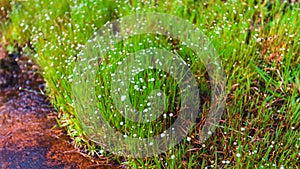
x: 151, y: 80
x: 165, y: 115
x: 242, y: 129
x: 136, y: 87
x: 159, y: 94
x: 258, y: 39
x: 188, y: 139
x: 238, y: 155
x: 173, y: 156
x: 123, y: 98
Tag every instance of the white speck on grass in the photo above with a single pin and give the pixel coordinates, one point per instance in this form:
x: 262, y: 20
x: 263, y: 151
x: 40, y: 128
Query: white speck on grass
x: 238, y: 155
x: 151, y: 80
x: 123, y: 98
x: 258, y: 39
x: 165, y: 115
x: 136, y: 87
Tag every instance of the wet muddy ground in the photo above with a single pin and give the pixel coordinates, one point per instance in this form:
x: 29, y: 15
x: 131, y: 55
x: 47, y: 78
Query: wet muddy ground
x: 27, y: 136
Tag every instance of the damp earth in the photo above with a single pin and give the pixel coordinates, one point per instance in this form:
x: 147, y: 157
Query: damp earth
x: 28, y: 136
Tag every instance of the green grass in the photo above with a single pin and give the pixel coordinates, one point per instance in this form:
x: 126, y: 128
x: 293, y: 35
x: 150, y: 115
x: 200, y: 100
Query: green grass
x: 259, y: 49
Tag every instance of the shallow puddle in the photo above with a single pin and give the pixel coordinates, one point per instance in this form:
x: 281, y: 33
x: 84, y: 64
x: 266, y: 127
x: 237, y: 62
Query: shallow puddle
x: 27, y: 137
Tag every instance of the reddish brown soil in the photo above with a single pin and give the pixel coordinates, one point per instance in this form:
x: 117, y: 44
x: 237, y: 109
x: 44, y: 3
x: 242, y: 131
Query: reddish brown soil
x: 27, y: 137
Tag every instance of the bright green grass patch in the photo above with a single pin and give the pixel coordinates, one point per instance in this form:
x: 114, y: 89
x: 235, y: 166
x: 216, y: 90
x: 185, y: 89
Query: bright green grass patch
x: 258, y: 43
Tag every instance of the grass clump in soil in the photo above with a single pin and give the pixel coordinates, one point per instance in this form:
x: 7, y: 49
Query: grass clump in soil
x: 258, y: 43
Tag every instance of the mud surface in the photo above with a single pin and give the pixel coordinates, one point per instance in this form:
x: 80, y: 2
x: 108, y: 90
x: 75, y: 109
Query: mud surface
x: 27, y: 136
